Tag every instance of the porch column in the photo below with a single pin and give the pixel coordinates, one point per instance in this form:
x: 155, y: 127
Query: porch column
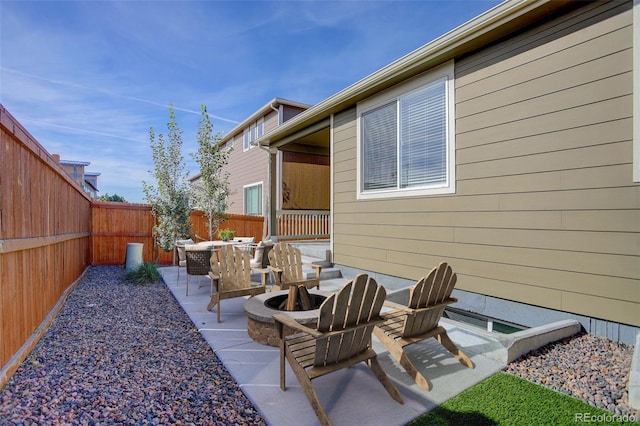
x: 272, y: 202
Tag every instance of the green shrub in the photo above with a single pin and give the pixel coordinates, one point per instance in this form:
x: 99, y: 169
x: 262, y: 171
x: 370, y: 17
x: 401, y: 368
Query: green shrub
x: 146, y: 273
x: 226, y: 234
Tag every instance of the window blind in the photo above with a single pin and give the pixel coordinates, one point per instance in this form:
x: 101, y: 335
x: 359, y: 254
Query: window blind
x: 423, y: 137
x: 379, y: 150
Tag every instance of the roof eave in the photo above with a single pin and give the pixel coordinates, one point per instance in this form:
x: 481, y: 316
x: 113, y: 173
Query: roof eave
x: 491, y: 25
x: 260, y: 113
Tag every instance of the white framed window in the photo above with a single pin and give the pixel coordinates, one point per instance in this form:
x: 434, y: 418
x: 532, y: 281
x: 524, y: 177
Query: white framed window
x: 259, y: 128
x: 252, y: 134
x: 253, y: 199
x: 246, y: 143
x: 406, y: 142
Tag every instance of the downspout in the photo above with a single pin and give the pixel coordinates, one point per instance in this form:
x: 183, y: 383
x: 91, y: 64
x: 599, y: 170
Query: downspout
x: 267, y: 226
x: 267, y: 217
x: 279, y: 114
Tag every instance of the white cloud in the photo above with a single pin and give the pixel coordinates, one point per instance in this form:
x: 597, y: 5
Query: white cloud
x: 88, y: 79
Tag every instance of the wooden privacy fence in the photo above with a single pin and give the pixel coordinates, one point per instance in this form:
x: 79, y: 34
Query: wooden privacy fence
x: 114, y: 225
x: 44, y: 240
x: 51, y: 231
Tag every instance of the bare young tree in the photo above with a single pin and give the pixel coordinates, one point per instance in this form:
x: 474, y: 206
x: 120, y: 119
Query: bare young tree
x: 169, y: 199
x: 211, y: 192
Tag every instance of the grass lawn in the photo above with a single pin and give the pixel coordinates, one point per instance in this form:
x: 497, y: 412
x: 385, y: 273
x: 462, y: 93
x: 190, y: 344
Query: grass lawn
x: 503, y: 399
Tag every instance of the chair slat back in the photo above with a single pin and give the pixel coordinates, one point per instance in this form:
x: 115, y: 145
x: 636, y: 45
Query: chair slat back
x: 234, y: 269
x: 431, y: 290
x: 288, y: 258
x: 349, y: 310
x: 434, y: 288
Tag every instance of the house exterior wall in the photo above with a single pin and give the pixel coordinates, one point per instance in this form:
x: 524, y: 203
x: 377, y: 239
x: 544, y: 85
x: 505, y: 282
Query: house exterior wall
x: 545, y: 212
x: 290, y: 111
x: 305, y: 178
x: 251, y: 167
x: 245, y: 168
x: 271, y: 121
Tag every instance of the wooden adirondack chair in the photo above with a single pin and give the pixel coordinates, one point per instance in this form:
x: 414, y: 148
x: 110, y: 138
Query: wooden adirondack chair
x: 285, y: 261
x: 406, y: 325
x: 231, y: 276
x: 341, y: 339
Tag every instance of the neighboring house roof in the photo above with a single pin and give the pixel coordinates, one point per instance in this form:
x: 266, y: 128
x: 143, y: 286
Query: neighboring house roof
x: 88, y: 182
x: 91, y: 179
x: 497, y: 22
x: 74, y: 163
x: 261, y: 112
x: 265, y: 109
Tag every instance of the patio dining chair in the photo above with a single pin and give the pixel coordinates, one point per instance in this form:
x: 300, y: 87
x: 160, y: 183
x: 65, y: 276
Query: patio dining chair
x: 418, y: 321
x: 198, y: 259
x: 182, y: 256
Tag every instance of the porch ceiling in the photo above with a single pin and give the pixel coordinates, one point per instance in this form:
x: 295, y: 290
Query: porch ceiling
x: 316, y: 141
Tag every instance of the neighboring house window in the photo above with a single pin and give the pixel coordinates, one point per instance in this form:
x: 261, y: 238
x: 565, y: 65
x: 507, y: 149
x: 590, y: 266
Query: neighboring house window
x: 406, y: 138
x: 253, y: 199
x: 246, y: 141
x: 260, y: 128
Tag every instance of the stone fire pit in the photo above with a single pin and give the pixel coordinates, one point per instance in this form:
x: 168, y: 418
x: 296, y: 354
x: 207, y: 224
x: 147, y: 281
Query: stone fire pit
x: 260, y: 309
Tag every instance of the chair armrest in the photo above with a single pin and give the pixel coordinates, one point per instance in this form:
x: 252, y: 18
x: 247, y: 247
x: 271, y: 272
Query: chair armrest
x: 293, y: 324
x: 318, y: 268
x: 404, y: 308
x: 264, y: 272
x: 394, y: 305
x: 277, y: 274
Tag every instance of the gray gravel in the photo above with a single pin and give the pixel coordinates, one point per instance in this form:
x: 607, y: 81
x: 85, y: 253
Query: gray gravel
x: 594, y: 369
x: 119, y: 353
x: 125, y: 354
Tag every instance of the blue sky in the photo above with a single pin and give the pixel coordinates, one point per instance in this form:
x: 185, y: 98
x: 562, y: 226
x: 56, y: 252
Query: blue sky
x: 89, y: 78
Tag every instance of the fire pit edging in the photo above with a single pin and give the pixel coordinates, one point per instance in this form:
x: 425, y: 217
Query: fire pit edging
x: 256, y: 308
x: 260, y: 323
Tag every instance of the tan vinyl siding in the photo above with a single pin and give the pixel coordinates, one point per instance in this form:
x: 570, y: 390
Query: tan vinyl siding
x: 270, y: 121
x: 245, y: 168
x: 288, y: 112
x: 545, y: 210
x: 251, y: 166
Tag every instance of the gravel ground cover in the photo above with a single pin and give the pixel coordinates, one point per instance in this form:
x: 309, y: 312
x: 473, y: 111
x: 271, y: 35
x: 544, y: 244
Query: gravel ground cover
x: 594, y: 369
x: 120, y: 353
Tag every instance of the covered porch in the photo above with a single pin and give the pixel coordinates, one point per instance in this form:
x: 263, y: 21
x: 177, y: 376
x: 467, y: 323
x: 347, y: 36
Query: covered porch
x: 298, y: 196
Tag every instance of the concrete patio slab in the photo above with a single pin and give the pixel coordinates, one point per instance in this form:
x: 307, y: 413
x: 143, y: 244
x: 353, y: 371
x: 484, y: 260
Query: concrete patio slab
x: 350, y: 396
